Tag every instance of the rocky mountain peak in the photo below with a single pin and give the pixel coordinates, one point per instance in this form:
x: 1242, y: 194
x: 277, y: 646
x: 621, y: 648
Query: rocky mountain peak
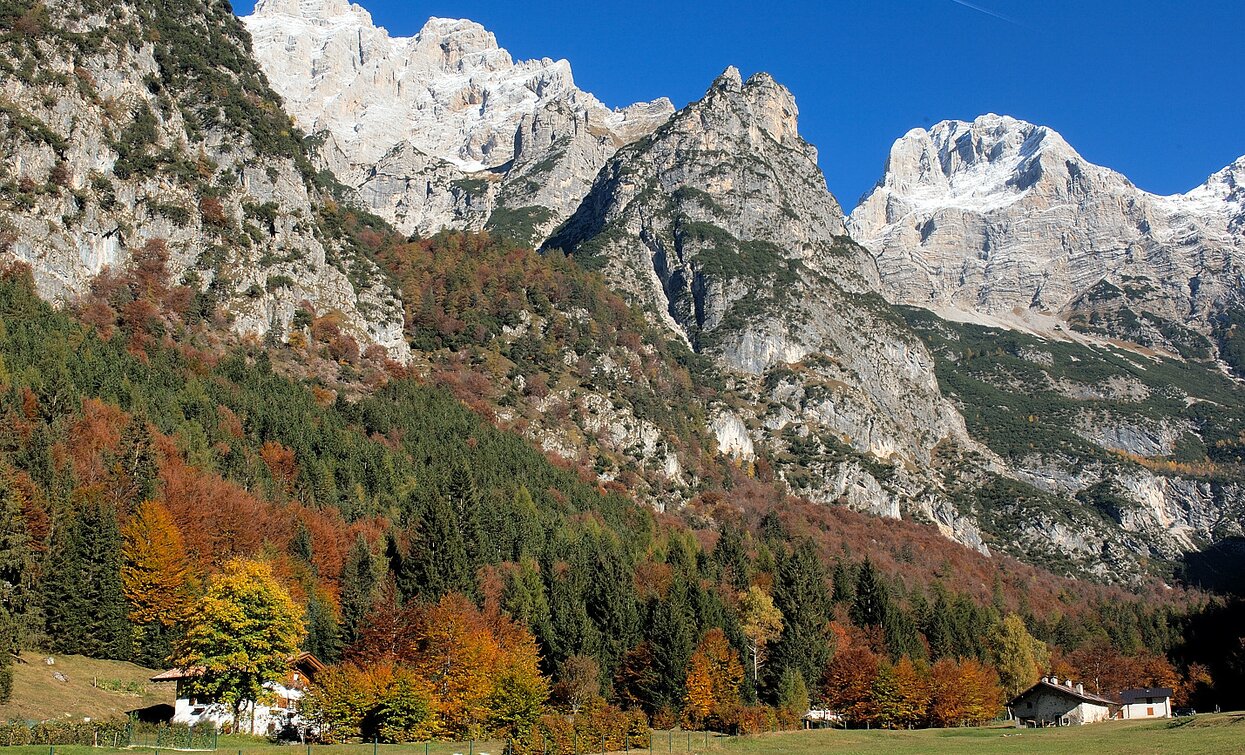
x: 425, y: 128
x: 309, y: 9
x: 1002, y: 218
x: 464, y: 45
x: 729, y: 80
x: 761, y: 103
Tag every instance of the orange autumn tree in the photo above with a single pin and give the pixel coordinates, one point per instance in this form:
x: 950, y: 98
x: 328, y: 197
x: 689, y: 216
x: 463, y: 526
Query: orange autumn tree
x: 849, y: 680
x: 155, y: 576
x: 963, y: 693
x: 482, y: 668
x: 713, y: 678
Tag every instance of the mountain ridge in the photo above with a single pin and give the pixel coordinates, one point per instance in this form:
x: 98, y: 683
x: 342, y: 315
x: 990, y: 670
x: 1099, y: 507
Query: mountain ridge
x: 445, y: 108
x: 1004, y: 218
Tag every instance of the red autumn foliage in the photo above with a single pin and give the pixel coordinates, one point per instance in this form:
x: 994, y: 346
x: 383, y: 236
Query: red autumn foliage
x: 281, y: 465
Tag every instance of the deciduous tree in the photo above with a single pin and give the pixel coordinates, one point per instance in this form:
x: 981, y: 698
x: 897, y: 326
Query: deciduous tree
x: 761, y: 622
x: 241, y: 634
x: 1019, y: 657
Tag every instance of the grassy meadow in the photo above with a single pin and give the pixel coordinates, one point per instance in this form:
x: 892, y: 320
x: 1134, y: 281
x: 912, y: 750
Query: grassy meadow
x: 1221, y: 733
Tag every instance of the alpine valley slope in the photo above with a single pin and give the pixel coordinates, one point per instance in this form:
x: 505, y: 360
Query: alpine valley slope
x: 719, y: 225
x: 1124, y: 306
x: 127, y: 122
x: 443, y: 129
x: 130, y: 123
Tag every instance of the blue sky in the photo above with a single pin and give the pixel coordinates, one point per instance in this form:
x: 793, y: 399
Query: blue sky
x: 1151, y: 89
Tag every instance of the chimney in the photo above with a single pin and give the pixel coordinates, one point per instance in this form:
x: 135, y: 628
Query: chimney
x: 1080, y: 688
x: 1067, y: 683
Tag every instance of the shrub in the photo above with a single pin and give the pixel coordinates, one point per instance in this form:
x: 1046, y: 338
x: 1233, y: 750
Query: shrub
x: 213, y: 212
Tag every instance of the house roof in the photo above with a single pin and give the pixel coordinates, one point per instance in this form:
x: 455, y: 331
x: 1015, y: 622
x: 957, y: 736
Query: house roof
x: 1133, y: 695
x: 306, y: 661
x: 177, y: 673
x: 1062, y: 689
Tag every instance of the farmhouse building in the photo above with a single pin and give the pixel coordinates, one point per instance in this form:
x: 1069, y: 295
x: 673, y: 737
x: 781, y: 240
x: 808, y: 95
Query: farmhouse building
x: 1050, y: 703
x: 1150, y: 702
x: 272, y: 716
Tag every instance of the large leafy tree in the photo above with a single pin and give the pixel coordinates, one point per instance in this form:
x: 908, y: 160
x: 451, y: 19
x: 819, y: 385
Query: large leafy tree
x: 242, y: 635
x: 713, y: 679
x: 1019, y: 657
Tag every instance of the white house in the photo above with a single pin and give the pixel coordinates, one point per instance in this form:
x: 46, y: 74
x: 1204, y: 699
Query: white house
x: 1149, y: 702
x: 279, y: 712
x: 821, y: 718
x: 1049, y: 703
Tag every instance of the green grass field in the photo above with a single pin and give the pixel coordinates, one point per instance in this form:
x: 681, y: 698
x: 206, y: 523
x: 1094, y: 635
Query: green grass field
x: 99, y: 689
x: 1223, y: 733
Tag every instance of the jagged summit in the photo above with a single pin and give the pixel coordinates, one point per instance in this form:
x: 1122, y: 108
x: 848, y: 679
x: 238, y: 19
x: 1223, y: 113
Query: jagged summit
x: 977, y: 166
x: 1003, y: 218
x: 441, y: 129
x: 450, y: 89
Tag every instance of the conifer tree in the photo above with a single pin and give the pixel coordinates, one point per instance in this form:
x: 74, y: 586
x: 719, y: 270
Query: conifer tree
x: 610, y: 598
x: 85, y: 602
x: 573, y: 632
x: 871, y: 602
x: 323, y: 635
x: 438, y: 563
x: 18, y: 599
x: 800, y: 594
x: 731, y: 559
x: 793, y: 693
x: 524, y: 598
x: 671, y: 633
x: 15, y: 562
x: 301, y: 546
x: 463, y: 496
x: 8, y: 648
x: 359, y: 580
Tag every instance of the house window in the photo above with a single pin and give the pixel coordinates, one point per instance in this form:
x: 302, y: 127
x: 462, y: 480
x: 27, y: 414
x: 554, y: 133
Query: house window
x: 1149, y: 711
x: 1029, y: 705
x: 1063, y: 721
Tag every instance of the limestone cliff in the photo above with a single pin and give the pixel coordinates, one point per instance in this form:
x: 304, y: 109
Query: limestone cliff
x: 443, y: 129
x: 125, y: 122
x: 1003, y: 220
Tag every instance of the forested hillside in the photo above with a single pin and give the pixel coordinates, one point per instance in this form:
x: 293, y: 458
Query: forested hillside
x: 129, y: 449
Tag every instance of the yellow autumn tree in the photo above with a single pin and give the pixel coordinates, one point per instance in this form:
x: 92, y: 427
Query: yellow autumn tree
x: 240, y: 635
x: 713, y: 678
x: 762, y: 624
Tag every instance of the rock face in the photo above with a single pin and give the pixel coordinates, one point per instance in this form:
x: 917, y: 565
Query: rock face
x: 1003, y: 218
x: 442, y: 129
x: 720, y: 225
x: 109, y: 146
